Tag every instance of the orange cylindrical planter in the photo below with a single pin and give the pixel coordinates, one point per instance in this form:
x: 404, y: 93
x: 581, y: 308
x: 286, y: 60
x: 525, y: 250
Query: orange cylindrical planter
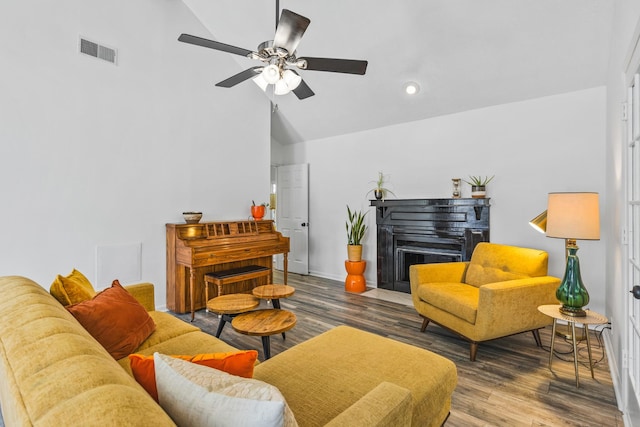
x: 355, y: 281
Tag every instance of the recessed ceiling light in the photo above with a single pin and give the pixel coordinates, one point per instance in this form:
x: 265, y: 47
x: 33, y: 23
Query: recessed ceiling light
x: 411, y: 88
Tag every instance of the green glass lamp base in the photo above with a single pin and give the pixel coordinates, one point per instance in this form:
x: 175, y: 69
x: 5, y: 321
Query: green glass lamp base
x: 571, y: 293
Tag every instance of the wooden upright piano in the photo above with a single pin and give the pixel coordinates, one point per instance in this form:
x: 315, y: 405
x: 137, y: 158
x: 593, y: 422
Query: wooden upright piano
x: 194, y: 250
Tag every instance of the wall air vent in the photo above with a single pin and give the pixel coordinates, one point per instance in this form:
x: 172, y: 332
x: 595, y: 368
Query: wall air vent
x: 96, y: 50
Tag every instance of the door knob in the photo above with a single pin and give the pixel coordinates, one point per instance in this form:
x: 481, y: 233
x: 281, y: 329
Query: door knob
x: 304, y: 224
x: 636, y: 291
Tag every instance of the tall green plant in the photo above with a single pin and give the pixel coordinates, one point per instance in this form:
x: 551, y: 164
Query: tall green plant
x: 356, y: 227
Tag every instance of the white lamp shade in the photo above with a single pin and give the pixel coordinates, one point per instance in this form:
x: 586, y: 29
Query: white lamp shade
x: 261, y: 82
x: 281, y: 88
x: 291, y: 79
x: 271, y: 73
x: 573, y: 216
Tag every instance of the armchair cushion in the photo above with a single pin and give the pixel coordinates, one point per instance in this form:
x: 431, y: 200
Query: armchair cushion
x: 492, y: 263
x: 459, y: 299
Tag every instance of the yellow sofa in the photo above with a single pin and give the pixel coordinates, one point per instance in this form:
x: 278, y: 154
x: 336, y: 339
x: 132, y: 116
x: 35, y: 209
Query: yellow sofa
x: 53, y: 373
x: 493, y: 295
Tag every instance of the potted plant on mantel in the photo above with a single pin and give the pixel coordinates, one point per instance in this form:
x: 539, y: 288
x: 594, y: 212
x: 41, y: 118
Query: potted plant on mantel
x: 356, y: 229
x: 479, y: 185
x: 380, y: 192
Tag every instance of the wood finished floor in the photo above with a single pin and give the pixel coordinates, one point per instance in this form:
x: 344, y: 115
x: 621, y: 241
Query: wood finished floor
x: 510, y: 383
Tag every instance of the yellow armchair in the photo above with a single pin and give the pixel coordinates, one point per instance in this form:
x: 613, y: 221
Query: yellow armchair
x: 493, y: 295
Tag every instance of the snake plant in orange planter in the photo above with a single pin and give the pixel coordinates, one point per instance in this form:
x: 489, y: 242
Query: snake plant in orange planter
x: 356, y: 229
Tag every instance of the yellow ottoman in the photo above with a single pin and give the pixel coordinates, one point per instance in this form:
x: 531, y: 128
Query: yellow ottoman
x: 322, y: 377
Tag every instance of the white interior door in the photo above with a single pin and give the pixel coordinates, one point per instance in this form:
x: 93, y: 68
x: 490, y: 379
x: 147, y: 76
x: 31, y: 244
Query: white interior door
x: 632, y: 403
x: 292, y: 214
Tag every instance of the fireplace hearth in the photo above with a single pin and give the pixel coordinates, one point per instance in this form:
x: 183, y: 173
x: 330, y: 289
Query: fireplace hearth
x: 420, y: 231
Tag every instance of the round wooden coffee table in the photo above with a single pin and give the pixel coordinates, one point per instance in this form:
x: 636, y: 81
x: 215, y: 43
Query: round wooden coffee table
x: 264, y: 323
x: 273, y: 293
x: 228, y: 306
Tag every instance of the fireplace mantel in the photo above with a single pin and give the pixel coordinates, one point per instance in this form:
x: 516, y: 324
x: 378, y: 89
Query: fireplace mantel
x: 418, y: 231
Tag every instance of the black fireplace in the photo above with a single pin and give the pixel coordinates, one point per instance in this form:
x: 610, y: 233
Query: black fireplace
x: 420, y: 231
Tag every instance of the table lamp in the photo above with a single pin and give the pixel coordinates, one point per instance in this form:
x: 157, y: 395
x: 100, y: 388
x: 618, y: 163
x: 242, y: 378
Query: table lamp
x: 573, y: 216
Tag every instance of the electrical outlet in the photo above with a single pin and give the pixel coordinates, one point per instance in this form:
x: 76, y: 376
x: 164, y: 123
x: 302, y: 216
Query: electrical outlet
x: 624, y: 235
x: 625, y: 363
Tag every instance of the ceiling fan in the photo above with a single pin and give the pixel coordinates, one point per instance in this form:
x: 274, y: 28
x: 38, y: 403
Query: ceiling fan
x: 279, y: 58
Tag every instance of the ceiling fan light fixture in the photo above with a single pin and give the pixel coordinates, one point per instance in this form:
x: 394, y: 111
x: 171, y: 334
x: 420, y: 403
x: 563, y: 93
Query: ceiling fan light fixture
x: 271, y: 73
x: 292, y: 79
x: 281, y: 88
x: 261, y: 82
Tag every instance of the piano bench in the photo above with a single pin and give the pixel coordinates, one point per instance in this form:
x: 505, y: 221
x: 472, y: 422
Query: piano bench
x: 234, y: 275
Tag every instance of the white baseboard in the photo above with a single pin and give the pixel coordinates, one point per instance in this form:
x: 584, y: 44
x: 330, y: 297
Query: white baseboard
x: 613, y: 369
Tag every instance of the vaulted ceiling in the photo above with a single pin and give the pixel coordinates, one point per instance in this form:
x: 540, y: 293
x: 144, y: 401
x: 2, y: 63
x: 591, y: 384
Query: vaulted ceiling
x: 464, y: 54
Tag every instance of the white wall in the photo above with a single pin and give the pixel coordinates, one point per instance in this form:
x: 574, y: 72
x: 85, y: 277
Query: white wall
x: 95, y: 155
x: 626, y: 21
x: 534, y: 147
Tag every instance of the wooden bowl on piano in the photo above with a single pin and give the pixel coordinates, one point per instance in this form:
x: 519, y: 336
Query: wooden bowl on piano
x: 192, y: 217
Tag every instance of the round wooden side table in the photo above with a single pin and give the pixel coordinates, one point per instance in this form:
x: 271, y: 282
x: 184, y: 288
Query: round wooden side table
x: 227, y: 306
x: 592, y: 318
x: 264, y: 323
x: 273, y: 293
x: 355, y: 281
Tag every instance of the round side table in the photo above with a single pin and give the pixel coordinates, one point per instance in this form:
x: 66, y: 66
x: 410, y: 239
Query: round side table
x: 264, y: 323
x: 592, y: 318
x: 273, y: 293
x: 228, y: 306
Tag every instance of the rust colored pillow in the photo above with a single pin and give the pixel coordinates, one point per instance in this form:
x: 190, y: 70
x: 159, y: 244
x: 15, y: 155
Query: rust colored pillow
x: 239, y: 363
x: 115, y: 319
x: 72, y: 289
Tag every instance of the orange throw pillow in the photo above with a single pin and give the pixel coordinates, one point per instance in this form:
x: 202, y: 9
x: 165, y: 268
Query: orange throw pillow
x: 238, y: 363
x: 115, y: 319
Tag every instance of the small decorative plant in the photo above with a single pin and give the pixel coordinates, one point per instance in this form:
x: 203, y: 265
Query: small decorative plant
x: 478, y: 185
x: 257, y: 211
x: 478, y: 181
x: 356, y: 227
x: 380, y: 192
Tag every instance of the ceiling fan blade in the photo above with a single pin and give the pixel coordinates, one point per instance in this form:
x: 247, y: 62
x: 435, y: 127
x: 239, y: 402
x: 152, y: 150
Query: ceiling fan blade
x: 290, y: 29
x: 240, y: 77
x: 349, y: 66
x: 199, y: 41
x: 303, y: 91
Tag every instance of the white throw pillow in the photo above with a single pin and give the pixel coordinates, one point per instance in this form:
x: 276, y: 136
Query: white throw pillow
x: 195, y: 395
